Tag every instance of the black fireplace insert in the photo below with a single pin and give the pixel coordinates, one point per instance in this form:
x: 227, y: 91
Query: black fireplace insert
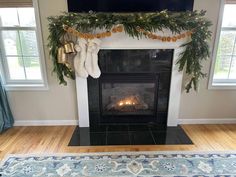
x: 133, y: 87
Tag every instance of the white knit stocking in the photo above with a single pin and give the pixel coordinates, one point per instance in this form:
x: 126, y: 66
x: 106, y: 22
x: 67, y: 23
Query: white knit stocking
x: 91, y: 63
x: 80, y: 57
x: 88, y: 61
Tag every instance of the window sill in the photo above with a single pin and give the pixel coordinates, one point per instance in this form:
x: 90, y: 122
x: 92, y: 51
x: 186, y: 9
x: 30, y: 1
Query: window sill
x: 28, y: 87
x: 222, y: 86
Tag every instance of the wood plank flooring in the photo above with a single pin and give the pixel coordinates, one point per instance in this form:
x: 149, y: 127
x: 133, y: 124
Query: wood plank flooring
x: 54, y: 139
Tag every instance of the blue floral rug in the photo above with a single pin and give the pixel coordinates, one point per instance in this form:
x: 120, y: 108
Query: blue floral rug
x: 126, y: 164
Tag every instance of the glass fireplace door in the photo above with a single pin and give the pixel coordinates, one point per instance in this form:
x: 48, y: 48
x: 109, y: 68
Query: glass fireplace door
x: 132, y: 95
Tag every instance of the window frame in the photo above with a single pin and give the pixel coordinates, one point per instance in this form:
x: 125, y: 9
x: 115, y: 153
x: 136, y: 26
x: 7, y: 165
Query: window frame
x: 231, y: 84
x: 27, y: 84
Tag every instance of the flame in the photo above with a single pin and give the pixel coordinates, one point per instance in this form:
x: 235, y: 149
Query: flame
x: 121, y: 104
x: 126, y: 102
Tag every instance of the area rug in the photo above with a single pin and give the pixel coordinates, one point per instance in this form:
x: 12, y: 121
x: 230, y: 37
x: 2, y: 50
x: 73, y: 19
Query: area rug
x: 123, y: 164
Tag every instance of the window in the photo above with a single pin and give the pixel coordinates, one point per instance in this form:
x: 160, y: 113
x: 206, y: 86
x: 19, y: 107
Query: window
x: 21, y: 55
x: 224, y: 70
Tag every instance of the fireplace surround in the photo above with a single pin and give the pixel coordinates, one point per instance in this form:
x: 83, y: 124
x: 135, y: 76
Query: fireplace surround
x: 120, y: 41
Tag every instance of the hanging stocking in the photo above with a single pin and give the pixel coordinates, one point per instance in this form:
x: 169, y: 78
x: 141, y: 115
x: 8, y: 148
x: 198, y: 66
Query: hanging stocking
x: 91, y: 63
x: 79, y: 60
x: 88, y: 61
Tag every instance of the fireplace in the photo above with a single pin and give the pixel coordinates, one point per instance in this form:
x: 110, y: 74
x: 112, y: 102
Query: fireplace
x: 161, y: 65
x: 135, y: 100
x: 133, y: 88
x: 139, y: 84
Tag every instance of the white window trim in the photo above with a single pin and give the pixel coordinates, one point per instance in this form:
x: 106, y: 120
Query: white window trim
x: 31, y: 85
x: 211, y: 85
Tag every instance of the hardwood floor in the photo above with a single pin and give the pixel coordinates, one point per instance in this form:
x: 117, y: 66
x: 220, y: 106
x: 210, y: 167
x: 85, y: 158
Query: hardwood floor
x: 20, y: 140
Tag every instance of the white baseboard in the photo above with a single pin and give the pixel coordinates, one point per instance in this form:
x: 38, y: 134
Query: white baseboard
x: 45, y: 122
x: 207, y: 121
x: 75, y: 122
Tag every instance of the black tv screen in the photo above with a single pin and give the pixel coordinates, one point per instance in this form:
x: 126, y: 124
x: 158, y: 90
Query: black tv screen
x: 129, y: 5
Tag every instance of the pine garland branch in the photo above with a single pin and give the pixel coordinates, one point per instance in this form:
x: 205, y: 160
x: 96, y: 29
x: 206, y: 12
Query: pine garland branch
x: 190, y: 60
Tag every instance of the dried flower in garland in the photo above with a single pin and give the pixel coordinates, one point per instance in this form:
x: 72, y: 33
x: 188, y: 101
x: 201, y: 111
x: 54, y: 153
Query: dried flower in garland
x: 136, y: 25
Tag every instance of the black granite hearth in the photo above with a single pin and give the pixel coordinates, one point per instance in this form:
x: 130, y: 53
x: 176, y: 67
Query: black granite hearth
x: 129, y: 135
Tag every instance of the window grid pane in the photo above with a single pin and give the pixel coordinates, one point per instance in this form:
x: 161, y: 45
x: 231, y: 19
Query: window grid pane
x: 222, y: 67
x: 32, y: 68
x: 12, y: 17
x: 16, y: 68
x: 28, y: 43
x: 11, y: 42
x: 232, y: 74
x: 8, y: 17
x: 26, y: 17
x: 229, y: 14
x: 225, y: 54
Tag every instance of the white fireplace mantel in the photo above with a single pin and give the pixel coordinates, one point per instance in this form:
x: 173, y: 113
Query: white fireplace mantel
x: 122, y: 41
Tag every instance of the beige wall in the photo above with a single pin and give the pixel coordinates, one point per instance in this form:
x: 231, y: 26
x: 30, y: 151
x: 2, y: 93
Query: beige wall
x: 208, y: 103
x: 59, y: 102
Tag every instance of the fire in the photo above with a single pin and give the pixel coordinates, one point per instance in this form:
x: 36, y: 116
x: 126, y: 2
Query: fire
x: 126, y: 103
x: 121, y: 104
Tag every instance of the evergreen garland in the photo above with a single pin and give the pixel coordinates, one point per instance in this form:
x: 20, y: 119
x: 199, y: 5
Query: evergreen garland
x: 190, y: 60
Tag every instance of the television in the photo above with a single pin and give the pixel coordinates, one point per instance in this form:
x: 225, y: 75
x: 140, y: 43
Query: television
x: 129, y: 5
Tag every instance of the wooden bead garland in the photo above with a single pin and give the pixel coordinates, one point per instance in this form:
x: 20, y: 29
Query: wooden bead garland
x: 119, y: 29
